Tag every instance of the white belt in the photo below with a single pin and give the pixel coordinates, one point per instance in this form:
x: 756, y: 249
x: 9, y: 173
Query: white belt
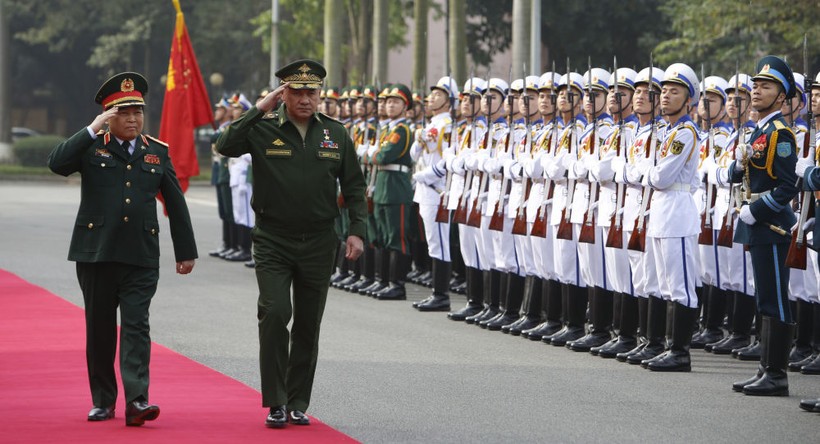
x: 679, y: 187
x: 394, y: 167
x: 757, y: 196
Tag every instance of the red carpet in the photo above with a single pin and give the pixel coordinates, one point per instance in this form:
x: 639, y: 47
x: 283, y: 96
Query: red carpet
x: 45, y: 397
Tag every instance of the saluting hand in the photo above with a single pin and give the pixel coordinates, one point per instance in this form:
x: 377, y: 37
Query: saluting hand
x: 102, y: 119
x: 185, y: 267
x: 269, y: 101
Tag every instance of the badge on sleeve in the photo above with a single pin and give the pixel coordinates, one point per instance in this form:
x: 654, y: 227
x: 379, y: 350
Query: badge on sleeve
x: 676, y: 148
x: 394, y: 138
x: 784, y: 149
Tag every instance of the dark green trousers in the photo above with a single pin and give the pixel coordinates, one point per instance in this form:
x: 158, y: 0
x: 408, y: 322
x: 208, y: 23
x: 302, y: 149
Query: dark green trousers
x: 392, y: 224
x: 106, y: 286
x: 287, y: 359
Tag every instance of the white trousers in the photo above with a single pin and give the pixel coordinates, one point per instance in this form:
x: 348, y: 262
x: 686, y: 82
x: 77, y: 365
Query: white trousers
x: 675, y: 265
x: 437, y: 234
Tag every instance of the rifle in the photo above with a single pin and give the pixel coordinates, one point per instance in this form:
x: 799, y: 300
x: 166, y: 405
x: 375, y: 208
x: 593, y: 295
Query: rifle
x: 443, y: 214
x: 497, y: 220
x: 796, y: 257
x: 565, y: 227
x: 373, y: 170
x: 637, y: 241
x: 474, y: 220
x: 587, y: 233
x: 460, y: 215
x: 706, y: 236
x: 539, y: 225
x: 520, y: 223
x: 615, y: 236
x: 727, y: 231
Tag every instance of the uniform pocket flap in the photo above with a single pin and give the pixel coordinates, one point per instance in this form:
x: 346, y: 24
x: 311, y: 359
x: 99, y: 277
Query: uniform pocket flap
x: 150, y: 168
x: 84, y: 220
x: 103, y: 162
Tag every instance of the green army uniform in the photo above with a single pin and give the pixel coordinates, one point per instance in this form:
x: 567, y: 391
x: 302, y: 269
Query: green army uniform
x: 115, y: 243
x: 294, y: 198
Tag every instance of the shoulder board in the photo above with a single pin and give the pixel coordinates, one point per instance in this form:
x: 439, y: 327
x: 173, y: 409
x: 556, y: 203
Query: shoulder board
x: 780, y: 126
x: 270, y: 115
x: 331, y: 118
x: 153, y: 139
x: 106, y: 137
x: 605, y: 123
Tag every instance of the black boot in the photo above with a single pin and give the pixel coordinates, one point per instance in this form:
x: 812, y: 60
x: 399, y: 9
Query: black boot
x: 475, y: 293
x: 342, y: 268
x: 655, y: 330
x: 775, y: 348
x: 813, y: 366
x: 499, y: 286
x: 243, y: 252
x: 751, y: 352
x: 617, y: 298
x: 627, y: 337
x: 490, y: 304
x: 563, y: 294
x: 715, y: 312
x: 576, y: 311
x: 382, y: 271
x: 551, y: 311
x: 600, y: 320
x: 440, y: 299
x: 226, y: 229
x: 513, y: 296
x: 677, y: 358
x: 367, y: 271
x: 532, y: 308
x: 810, y: 405
x: 802, y: 348
x: 525, y: 300
x: 742, y: 319
x: 398, y: 273
x: 643, y: 320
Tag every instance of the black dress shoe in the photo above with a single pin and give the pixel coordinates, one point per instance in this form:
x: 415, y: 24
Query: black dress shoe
x: 437, y: 303
x: 239, y: 256
x: 101, y: 413
x: 297, y: 417
x: 219, y: 251
x: 139, y: 411
x: 809, y: 405
x: 471, y: 309
x: 250, y: 264
x: 277, y: 418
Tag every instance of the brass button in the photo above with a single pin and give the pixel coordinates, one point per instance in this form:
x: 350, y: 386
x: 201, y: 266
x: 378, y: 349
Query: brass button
x: 90, y: 225
x: 153, y: 170
x: 128, y: 167
x: 102, y: 164
x: 127, y: 200
x: 153, y: 231
x: 128, y: 184
x: 125, y: 219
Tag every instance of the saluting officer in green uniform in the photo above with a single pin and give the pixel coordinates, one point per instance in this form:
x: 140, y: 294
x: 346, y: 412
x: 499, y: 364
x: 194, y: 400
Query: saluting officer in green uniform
x: 116, y: 240
x: 393, y: 194
x: 298, y: 157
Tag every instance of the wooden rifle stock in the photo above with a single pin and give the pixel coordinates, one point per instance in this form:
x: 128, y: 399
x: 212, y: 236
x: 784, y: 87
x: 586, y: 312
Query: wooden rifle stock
x: 706, y: 236
x: 637, y: 241
x: 474, y: 219
x: 587, y: 233
x: 460, y: 214
x: 615, y: 237
x: 520, y: 224
x: 443, y: 214
x: 727, y: 231
x: 539, y: 226
x: 497, y: 221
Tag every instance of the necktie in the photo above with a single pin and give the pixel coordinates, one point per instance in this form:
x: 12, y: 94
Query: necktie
x: 126, y: 147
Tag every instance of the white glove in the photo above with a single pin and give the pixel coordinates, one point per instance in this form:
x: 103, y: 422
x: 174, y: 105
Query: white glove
x: 807, y: 226
x: 457, y: 165
x: 506, y: 164
x: 516, y: 170
x: 492, y: 166
x: 372, y: 150
x: 448, y: 156
x: 618, y: 164
x: 425, y: 176
x: 441, y: 165
x: 361, y: 150
x: 802, y: 164
x: 746, y: 215
x: 712, y: 172
x: 565, y: 160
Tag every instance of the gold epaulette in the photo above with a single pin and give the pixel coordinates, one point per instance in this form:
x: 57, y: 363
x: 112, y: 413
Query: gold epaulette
x: 778, y: 125
x: 270, y: 115
x: 154, y: 139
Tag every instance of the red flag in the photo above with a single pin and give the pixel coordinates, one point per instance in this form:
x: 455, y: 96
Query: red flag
x: 186, y: 104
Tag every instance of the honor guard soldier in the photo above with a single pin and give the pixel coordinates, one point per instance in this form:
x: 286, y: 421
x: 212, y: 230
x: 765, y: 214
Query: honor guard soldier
x: 394, y: 192
x: 116, y: 240
x: 584, y: 203
x: 766, y: 170
x: 673, y: 227
x: 220, y: 180
x: 431, y: 183
x: 299, y: 158
x: 240, y: 199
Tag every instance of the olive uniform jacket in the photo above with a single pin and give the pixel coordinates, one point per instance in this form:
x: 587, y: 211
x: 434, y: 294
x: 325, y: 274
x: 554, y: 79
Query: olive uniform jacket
x: 295, y: 179
x: 772, y: 181
x: 393, y: 186
x: 117, y: 219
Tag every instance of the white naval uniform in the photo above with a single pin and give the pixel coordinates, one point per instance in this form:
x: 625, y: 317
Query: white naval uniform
x: 430, y: 182
x: 802, y: 283
x: 591, y: 256
x: 241, y: 190
x: 542, y: 247
x: 674, y: 227
x: 642, y: 264
x: 736, y: 272
x: 711, y: 268
x: 565, y: 252
x: 519, y: 199
x: 468, y: 236
x: 618, y: 272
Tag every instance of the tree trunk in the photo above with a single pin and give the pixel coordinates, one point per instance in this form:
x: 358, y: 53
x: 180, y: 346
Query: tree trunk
x: 333, y: 42
x: 458, y: 41
x: 420, y: 10
x: 381, y: 17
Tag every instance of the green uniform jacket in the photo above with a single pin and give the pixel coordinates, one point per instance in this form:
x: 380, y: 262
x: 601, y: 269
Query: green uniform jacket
x: 295, y: 180
x: 394, y: 187
x: 117, y: 219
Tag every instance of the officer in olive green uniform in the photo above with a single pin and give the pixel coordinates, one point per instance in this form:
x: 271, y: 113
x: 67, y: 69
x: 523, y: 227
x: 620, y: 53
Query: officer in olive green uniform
x: 298, y: 157
x: 393, y: 192
x: 116, y: 240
